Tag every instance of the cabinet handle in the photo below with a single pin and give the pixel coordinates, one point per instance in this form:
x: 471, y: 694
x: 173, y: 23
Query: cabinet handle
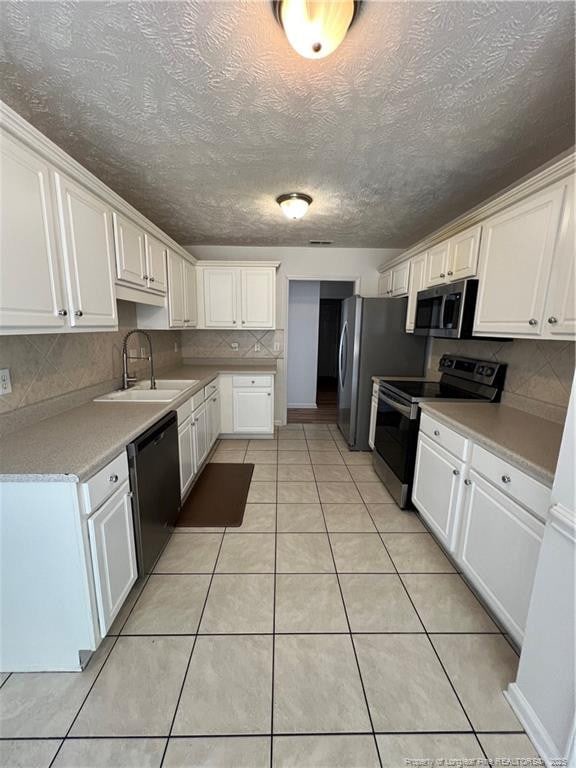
x: 456, y: 472
x: 450, y: 272
x: 152, y: 279
x: 78, y: 313
x: 506, y: 479
x: 62, y: 312
x: 442, y: 274
x: 144, y: 277
x: 187, y: 321
x: 467, y: 482
x: 233, y: 322
x: 552, y: 320
x: 437, y: 432
x: 532, y: 321
x: 269, y: 394
x: 113, y: 478
x: 213, y: 399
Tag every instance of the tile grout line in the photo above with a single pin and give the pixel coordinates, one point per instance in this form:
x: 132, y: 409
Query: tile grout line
x: 191, y: 653
x: 276, y: 434
x: 349, y: 626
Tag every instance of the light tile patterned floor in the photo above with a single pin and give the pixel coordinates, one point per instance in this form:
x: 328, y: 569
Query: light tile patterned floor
x: 329, y: 630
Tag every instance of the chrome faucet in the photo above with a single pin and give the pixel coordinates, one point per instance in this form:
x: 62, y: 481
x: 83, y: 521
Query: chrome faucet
x: 128, y: 380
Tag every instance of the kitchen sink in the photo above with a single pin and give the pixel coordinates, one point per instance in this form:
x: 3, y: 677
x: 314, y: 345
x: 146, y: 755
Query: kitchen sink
x: 137, y: 395
x: 180, y: 384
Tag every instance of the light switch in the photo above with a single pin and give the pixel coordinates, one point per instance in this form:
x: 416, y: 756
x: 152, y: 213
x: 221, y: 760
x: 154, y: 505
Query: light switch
x: 5, y: 382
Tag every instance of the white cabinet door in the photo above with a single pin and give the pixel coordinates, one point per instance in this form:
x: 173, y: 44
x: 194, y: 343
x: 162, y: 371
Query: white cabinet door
x: 258, y: 297
x: 437, y: 264
x: 111, y: 532
x: 417, y: 279
x: 175, y: 290
x: 373, y: 417
x: 514, y: 266
x: 560, y: 312
x: 221, y: 296
x: 213, y: 418
x: 31, y: 293
x: 200, y: 434
x: 401, y: 279
x: 88, y: 246
x: 190, y: 294
x: 463, y: 254
x: 253, y: 410
x: 155, y: 264
x: 437, y: 489
x: 130, y: 251
x: 498, y: 550
x: 186, y: 457
x: 385, y: 283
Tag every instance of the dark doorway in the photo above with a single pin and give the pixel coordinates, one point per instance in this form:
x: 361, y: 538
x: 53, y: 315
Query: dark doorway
x: 328, y: 338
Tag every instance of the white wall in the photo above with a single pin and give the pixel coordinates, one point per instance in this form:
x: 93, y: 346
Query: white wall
x: 310, y: 262
x: 303, y: 314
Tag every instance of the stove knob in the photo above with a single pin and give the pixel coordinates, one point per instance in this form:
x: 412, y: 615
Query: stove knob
x: 489, y: 371
x: 481, y: 369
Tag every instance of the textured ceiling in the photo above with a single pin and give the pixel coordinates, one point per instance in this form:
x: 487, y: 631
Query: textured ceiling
x: 199, y: 113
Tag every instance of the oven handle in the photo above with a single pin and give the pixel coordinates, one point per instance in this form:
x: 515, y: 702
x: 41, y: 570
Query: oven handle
x: 442, y: 311
x: 405, y: 410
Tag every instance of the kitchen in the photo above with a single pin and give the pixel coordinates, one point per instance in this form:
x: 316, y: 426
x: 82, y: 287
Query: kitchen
x: 189, y: 577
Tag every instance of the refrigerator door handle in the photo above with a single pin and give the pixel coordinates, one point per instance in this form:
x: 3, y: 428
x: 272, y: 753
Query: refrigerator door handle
x: 341, y: 367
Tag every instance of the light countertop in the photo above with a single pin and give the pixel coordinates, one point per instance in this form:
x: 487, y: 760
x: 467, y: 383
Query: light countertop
x: 528, y: 442
x: 73, y: 445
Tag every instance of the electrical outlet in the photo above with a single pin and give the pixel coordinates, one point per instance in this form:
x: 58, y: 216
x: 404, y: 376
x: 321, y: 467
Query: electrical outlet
x: 234, y: 346
x: 5, y: 382
x: 257, y: 347
x: 276, y: 346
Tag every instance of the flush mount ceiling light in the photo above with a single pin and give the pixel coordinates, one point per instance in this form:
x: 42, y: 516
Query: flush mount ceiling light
x: 294, y: 205
x: 315, y: 28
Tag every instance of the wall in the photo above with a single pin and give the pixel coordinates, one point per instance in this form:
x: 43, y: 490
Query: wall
x: 307, y: 262
x: 539, y: 374
x: 303, y: 314
x: 53, y: 372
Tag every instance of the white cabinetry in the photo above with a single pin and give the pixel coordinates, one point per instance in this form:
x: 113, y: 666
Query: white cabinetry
x: 417, y: 279
x: 514, y: 267
x: 130, y: 252
x: 253, y: 404
x: 385, y: 283
x: 200, y: 435
x: 88, y: 249
x: 257, y: 291
x: 221, y: 294
x: 155, y: 265
x: 560, y: 312
x: 111, y: 532
x: 394, y: 282
x: 238, y: 297
x: 186, y: 455
x: 190, y: 294
x: 463, y: 254
x: 437, y: 264
x: 373, y: 415
x: 198, y: 429
x: 176, y: 308
x: 180, y: 308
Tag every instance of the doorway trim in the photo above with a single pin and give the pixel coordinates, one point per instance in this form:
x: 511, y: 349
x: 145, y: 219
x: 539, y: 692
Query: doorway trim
x: 310, y: 279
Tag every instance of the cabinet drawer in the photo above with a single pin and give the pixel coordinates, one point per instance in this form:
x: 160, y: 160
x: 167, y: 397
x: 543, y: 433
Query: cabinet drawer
x: 198, y: 399
x: 209, y: 390
x: 105, y: 482
x: 444, y: 436
x: 252, y: 381
x: 184, y: 411
x: 524, y: 489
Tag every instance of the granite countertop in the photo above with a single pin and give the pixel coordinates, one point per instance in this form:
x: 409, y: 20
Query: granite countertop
x: 528, y: 442
x: 73, y: 445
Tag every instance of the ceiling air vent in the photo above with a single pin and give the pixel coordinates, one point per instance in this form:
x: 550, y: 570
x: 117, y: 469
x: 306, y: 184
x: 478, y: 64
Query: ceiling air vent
x: 320, y: 242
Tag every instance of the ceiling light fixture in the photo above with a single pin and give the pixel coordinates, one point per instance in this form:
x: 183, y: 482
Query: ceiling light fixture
x: 294, y: 205
x: 315, y: 28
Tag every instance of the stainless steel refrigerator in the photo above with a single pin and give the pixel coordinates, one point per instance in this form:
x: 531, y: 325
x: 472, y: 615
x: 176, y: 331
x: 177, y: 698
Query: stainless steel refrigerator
x: 373, y: 342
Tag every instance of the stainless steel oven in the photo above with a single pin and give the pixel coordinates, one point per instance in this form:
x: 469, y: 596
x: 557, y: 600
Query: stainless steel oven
x: 447, y: 311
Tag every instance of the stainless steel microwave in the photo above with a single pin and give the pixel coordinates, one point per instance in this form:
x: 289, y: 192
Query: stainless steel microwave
x: 447, y: 311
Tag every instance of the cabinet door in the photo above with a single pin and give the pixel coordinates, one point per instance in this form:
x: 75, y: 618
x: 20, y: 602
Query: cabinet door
x: 155, y: 264
x: 213, y: 418
x: 88, y: 245
x: 417, y: 278
x: 190, y: 295
x: 385, y: 283
x: 373, y: 417
x: 200, y: 434
x: 185, y: 453
x: 221, y: 297
x: 253, y: 410
x: 437, y: 264
x: 560, y: 313
x: 514, y: 266
x: 30, y: 282
x: 401, y: 279
x: 130, y: 251
x: 258, y: 288
x: 498, y: 550
x: 463, y: 254
x: 175, y: 290
x: 111, y: 532
x: 437, y: 489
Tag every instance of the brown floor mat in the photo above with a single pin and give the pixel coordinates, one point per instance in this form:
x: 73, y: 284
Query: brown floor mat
x: 218, y: 497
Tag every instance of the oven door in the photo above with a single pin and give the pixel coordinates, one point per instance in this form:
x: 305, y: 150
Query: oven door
x: 395, y: 443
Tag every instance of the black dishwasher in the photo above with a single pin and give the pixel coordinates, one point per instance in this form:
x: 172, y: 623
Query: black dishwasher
x: 155, y: 484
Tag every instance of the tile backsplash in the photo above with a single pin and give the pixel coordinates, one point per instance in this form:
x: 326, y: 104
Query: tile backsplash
x: 254, y: 345
x: 53, y: 372
x: 539, y: 374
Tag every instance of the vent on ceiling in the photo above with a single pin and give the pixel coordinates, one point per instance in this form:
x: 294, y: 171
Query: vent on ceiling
x: 320, y: 242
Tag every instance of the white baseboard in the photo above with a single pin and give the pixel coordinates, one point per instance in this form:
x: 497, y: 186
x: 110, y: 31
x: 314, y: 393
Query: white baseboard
x: 302, y: 405
x: 534, y: 727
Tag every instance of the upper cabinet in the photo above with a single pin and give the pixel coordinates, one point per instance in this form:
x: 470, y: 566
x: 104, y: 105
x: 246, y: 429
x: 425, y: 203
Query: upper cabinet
x: 453, y: 259
x: 155, y: 265
x: 189, y: 281
x: 394, y: 282
x: 437, y: 264
x: 516, y: 256
x: 130, y: 252
x: 417, y: 278
x: 238, y: 297
x: 180, y: 308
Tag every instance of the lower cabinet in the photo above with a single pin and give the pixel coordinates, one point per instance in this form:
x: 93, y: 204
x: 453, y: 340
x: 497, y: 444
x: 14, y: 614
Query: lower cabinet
x: 186, y: 455
x: 200, y: 435
x: 213, y: 408
x: 253, y: 410
x: 438, y: 482
x: 498, y: 550
x: 111, y: 533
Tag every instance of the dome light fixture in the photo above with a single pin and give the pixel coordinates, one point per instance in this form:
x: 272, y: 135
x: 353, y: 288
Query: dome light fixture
x: 294, y: 205
x: 315, y: 28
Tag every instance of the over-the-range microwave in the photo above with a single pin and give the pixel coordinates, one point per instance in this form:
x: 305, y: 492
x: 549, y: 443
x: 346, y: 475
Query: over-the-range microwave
x: 447, y: 311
